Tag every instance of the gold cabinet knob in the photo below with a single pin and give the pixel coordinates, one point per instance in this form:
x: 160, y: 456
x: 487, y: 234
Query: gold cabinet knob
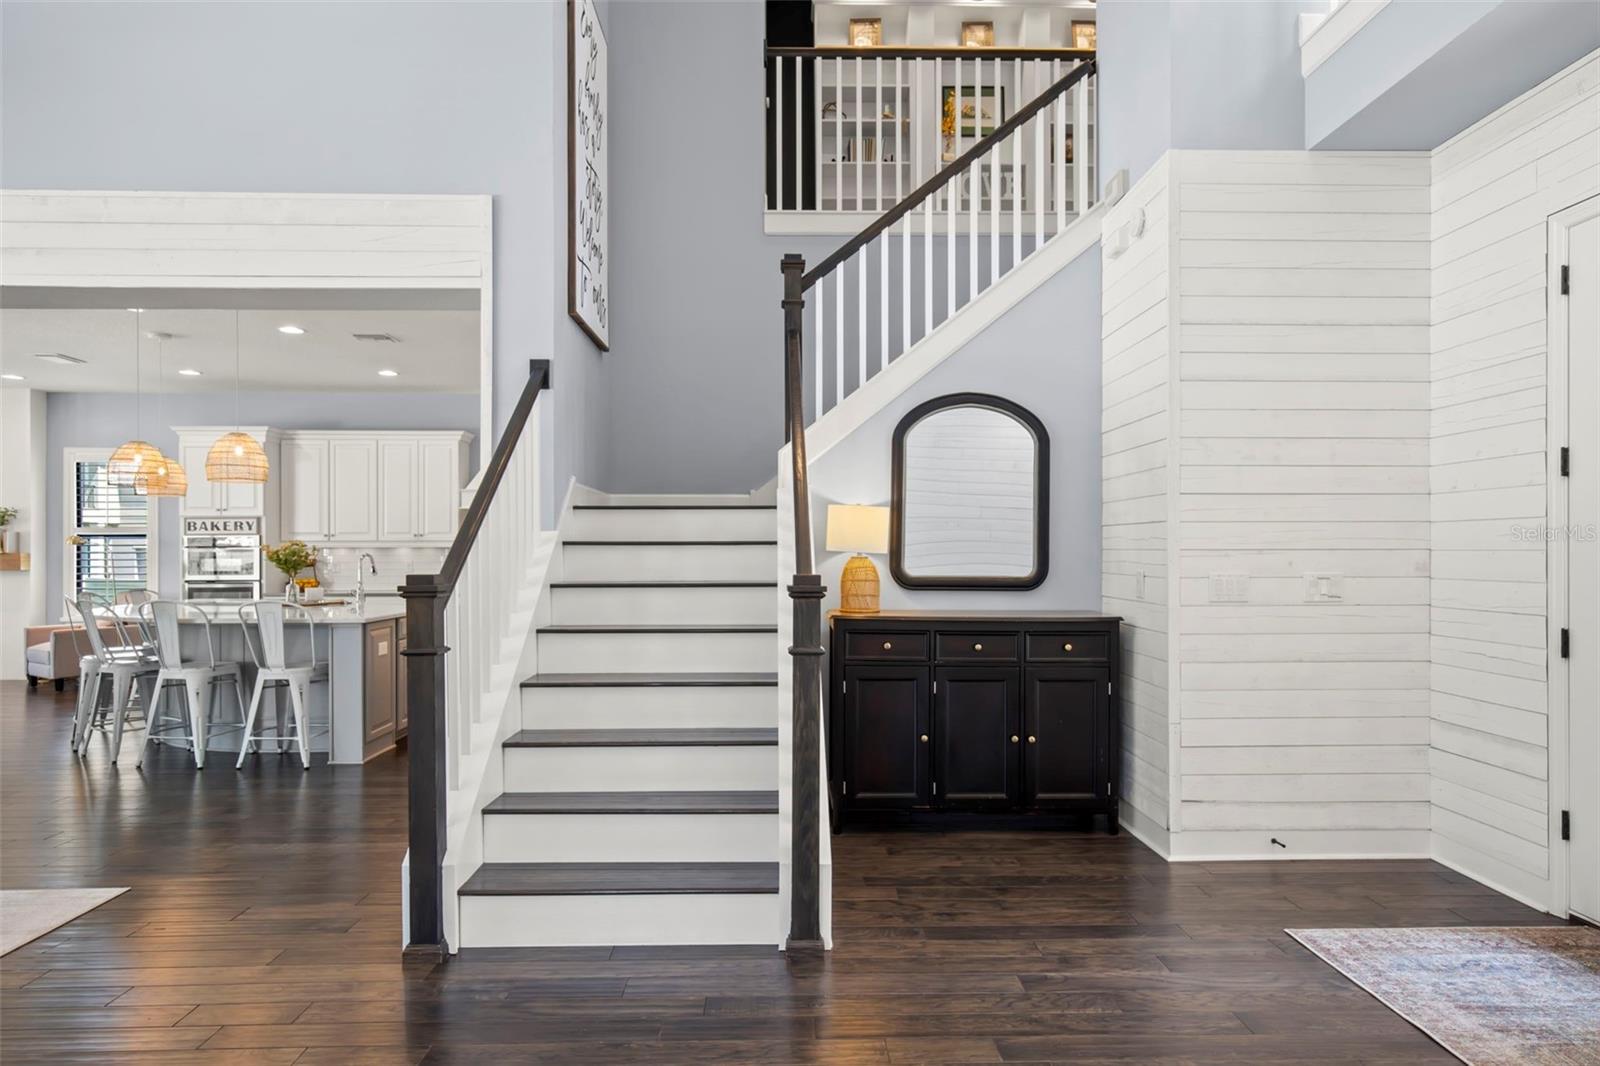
x: 977, y: 647
x: 887, y: 645
x: 1013, y: 740
x: 1033, y: 740
x: 1066, y: 647
x: 924, y: 738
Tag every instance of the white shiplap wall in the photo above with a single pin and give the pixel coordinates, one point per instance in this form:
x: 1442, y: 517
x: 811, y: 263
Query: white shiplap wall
x: 1302, y: 349
x: 1136, y: 457
x: 1494, y: 186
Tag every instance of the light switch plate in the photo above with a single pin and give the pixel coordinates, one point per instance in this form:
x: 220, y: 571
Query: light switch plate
x: 1324, y: 587
x: 1230, y: 588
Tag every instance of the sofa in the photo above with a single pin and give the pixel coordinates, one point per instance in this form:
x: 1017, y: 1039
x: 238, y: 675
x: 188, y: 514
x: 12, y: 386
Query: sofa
x: 53, y: 652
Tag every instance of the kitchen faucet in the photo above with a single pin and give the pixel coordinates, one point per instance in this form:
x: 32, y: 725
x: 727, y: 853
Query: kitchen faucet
x: 361, y: 576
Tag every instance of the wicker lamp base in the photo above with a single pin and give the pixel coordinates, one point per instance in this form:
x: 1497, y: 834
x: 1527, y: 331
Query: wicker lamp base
x: 858, y: 586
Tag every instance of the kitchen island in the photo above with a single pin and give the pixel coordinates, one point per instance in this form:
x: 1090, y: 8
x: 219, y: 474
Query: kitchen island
x: 360, y: 711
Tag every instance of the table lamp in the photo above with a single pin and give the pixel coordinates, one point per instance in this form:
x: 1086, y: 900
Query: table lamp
x: 859, y: 529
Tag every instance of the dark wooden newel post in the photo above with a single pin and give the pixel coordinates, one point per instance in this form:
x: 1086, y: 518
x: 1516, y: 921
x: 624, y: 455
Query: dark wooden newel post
x: 806, y: 592
x: 425, y: 599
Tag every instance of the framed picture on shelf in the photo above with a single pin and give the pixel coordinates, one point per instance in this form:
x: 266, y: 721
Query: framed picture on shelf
x: 982, y: 111
x: 977, y: 35
x: 1083, y: 35
x: 866, y: 33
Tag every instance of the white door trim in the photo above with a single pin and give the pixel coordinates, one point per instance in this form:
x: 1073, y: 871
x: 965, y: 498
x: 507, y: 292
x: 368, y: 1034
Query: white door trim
x: 1556, y: 403
x: 73, y: 238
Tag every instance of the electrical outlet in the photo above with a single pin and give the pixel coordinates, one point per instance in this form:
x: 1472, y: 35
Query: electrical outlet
x: 1230, y: 588
x: 1324, y: 588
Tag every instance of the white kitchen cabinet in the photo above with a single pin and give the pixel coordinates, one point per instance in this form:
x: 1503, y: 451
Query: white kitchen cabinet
x: 207, y: 497
x: 353, y: 489
x: 304, y: 491
x: 443, y: 470
x: 398, y: 474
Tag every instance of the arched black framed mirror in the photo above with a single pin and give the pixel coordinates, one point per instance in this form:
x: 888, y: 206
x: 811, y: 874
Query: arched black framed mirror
x: 971, y: 495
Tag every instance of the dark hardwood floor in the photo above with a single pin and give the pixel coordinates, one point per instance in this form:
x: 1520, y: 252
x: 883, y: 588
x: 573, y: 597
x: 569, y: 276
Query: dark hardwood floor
x: 263, y: 926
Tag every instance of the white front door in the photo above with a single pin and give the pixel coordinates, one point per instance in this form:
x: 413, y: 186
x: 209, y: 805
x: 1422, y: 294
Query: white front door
x: 1577, y: 315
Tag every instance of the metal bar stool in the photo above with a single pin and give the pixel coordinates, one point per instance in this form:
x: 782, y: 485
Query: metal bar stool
x: 161, y: 620
x: 274, y: 669
x: 126, y: 666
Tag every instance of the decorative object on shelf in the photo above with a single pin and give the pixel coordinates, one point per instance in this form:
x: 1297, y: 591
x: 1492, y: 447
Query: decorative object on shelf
x: 938, y: 538
x: 131, y: 456
x: 165, y: 476
x: 866, y: 33
x: 236, y: 456
x: 1083, y: 35
x: 291, y: 557
x: 981, y: 110
x: 6, y: 516
x: 860, y: 529
x: 830, y: 107
x: 588, y: 166
x: 977, y: 35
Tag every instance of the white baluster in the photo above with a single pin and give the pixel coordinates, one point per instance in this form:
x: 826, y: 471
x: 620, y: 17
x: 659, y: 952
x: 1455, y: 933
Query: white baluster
x: 996, y: 186
x: 950, y: 190
x: 883, y: 300
x: 877, y: 154
x: 838, y: 133
x: 1016, y: 171
x: 1037, y: 185
x: 862, y: 260
x: 777, y: 133
x: 860, y: 145
x: 799, y: 134
x: 905, y: 282
x: 902, y: 131
x: 1059, y: 162
x: 1080, y: 147
x: 819, y: 348
x: 838, y: 334
x: 974, y: 179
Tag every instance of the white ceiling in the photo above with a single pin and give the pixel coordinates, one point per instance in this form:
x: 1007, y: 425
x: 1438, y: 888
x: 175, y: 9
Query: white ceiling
x: 437, y: 349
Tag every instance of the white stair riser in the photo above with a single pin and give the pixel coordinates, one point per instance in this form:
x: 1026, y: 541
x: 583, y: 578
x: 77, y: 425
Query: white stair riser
x: 669, y: 562
x: 685, y: 524
x: 664, y: 606
x: 641, y: 769
x: 649, y: 707
x: 574, y: 921
x: 630, y: 837
x: 585, y: 653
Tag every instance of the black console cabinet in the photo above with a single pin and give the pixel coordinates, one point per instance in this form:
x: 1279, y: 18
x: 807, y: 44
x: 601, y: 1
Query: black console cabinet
x: 945, y: 712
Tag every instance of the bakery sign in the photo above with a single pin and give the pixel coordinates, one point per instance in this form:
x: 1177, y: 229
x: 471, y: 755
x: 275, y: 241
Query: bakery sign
x: 193, y: 527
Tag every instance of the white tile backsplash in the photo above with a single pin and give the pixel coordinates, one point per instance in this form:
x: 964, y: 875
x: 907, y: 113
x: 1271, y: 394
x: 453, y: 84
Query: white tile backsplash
x: 336, y: 567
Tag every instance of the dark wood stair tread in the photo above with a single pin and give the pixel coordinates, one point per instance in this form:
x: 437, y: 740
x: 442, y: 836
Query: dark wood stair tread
x: 620, y: 878
x: 634, y: 803
x: 668, y: 680
x: 663, y: 584
x: 656, y: 628
x: 715, y: 737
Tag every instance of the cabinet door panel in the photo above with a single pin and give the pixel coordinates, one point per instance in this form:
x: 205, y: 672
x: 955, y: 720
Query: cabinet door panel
x: 1065, y: 715
x: 439, y: 490
x: 397, y: 490
x: 202, y: 495
x: 352, y: 490
x: 380, y: 678
x: 402, y: 706
x: 304, y: 490
x: 885, y: 721
x: 976, y: 714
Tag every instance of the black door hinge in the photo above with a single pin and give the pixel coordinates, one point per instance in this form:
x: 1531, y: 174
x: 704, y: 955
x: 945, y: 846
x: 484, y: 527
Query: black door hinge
x: 1566, y: 643
x: 1566, y: 825
x: 1566, y: 462
x: 1566, y: 280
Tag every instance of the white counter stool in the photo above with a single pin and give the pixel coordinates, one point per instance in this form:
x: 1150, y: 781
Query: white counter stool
x: 193, y: 677
x: 124, y: 667
x: 273, y: 668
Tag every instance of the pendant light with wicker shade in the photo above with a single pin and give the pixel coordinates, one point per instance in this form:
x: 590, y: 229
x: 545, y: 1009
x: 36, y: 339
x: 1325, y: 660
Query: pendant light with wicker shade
x: 236, y: 456
x: 130, y: 457
x: 166, y: 477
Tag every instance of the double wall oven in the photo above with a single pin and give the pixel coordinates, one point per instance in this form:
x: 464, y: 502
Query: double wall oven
x: 222, y: 558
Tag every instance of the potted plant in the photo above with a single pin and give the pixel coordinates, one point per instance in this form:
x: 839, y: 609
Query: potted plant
x: 6, y: 515
x: 291, y: 557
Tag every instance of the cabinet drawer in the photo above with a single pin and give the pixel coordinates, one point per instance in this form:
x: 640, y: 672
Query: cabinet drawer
x: 882, y: 646
x: 977, y: 647
x: 1066, y: 647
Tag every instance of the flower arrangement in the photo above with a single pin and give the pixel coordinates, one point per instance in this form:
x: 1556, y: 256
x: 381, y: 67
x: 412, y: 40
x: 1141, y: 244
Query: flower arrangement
x: 6, y: 515
x: 292, y: 556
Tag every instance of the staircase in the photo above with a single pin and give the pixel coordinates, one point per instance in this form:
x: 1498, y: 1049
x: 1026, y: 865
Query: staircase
x: 640, y: 800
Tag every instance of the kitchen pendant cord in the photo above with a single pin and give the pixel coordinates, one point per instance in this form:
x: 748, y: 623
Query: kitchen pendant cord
x: 236, y: 369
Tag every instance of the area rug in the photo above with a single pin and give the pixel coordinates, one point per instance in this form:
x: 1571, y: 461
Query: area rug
x: 29, y: 913
x: 1526, y: 995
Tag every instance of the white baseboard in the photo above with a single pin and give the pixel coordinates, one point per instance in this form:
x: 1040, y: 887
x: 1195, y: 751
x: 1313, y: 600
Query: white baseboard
x: 1144, y: 829
x: 1459, y: 866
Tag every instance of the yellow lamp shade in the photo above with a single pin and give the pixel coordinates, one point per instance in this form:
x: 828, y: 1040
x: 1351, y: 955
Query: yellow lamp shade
x: 130, y: 460
x: 236, y: 457
x: 857, y: 528
x: 164, y: 477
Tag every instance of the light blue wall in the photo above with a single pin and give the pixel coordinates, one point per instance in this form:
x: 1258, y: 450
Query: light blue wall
x: 1134, y: 39
x: 105, y: 420
x: 1045, y: 355
x: 464, y: 97
x: 1420, y: 72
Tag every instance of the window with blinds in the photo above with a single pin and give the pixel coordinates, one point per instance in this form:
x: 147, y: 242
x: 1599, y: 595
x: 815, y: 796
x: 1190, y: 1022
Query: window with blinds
x: 110, y: 534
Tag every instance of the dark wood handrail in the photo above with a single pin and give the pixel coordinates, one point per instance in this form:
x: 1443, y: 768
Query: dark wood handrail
x: 895, y: 51
x: 426, y: 596
x: 945, y: 175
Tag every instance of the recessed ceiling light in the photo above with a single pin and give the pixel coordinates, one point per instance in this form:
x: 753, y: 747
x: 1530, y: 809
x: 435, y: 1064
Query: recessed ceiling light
x: 13, y: 377
x: 386, y: 373
x: 293, y: 331
x: 189, y: 372
x: 59, y: 358
x: 137, y: 310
